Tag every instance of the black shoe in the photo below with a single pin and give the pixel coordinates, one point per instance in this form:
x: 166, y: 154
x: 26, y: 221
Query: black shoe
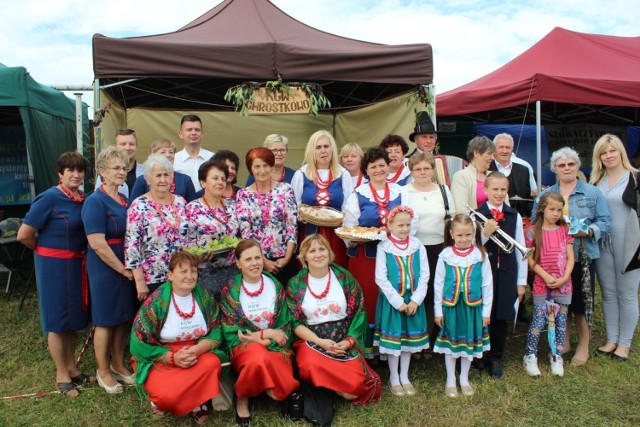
x: 293, y: 406
x: 479, y: 364
x: 495, y: 369
x: 243, y: 421
x: 599, y: 352
x: 619, y: 358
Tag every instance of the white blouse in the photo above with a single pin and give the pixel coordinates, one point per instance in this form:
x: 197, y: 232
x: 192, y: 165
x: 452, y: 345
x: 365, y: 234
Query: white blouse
x: 328, y: 309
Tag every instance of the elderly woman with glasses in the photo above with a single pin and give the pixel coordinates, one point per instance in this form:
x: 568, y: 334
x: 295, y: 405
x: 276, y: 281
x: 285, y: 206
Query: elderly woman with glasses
x: 182, y: 184
x: 279, y: 146
x: 585, y: 203
x: 156, y: 227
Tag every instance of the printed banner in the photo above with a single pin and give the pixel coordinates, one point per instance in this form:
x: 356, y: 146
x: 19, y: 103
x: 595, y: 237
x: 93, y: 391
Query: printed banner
x: 581, y: 137
x: 15, y: 182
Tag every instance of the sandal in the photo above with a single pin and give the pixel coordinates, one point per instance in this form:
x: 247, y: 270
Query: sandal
x: 201, y: 415
x: 82, y: 379
x: 68, y: 389
x: 156, y: 413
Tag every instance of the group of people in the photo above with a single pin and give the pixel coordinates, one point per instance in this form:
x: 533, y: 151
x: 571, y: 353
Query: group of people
x: 294, y: 295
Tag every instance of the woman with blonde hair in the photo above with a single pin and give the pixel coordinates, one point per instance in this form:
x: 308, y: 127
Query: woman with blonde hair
x: 617, y: 179
x: 351, y: 156
x: 321, y: 181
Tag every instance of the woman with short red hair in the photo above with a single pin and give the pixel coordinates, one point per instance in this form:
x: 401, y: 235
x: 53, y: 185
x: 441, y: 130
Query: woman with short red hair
x: 267, y: 212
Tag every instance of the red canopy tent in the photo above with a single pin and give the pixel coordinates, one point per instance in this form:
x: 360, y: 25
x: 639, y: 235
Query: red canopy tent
x: 594, y: 75
x: 252, y: 40
x: 567, y: 77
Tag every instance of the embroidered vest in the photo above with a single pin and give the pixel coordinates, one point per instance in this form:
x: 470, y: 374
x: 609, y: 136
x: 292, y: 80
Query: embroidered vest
x: 369, y: 218
x: 462, y: 281
x: 403, y: 272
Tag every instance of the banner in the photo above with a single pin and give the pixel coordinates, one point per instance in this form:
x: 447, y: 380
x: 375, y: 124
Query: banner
x: 264, y: 102
x: 15, y: 182
x: 581, y: 137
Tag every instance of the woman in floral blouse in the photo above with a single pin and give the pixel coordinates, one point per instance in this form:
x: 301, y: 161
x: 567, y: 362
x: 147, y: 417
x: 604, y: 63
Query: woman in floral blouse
x: 156, y: 227
x: 329, y: 319
x: 212, y: 217
x: 255, y: 325
x: 267, y: 212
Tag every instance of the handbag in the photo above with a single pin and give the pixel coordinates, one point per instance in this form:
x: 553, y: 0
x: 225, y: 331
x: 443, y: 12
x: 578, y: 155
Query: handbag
x: 372, y: 388
x: 635, y: 262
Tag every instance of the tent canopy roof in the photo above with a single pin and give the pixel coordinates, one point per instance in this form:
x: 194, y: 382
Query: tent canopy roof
x: 245, y: 40
x: 19, y: 89
x: 589, y: 73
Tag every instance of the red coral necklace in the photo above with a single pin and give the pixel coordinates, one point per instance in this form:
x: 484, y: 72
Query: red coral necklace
x: 323, y: 196
x: 182, y: 313
x: 326, y: 289
x: 122, y: 201
x: 174, y: 211
x: 76, y: 199
x: 213, y: 211
x: 256, y: 293
x: 462, y: 252
x: 403, y: 244
x: 382, y: 202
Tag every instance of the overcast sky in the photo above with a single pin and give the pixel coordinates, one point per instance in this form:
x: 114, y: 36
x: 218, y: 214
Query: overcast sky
x: 52, y: 38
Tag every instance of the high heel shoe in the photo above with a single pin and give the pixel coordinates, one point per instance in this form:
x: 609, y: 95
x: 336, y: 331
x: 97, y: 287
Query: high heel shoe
x: 109, y: 389
x: 127, y: 379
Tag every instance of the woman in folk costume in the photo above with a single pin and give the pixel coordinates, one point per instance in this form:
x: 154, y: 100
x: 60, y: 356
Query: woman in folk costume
x: 321, y: 181
x: 328, y: 318
x: 256, y: 327
x: 402, y: 273
x: 174, y: 343
x: 368, y: 206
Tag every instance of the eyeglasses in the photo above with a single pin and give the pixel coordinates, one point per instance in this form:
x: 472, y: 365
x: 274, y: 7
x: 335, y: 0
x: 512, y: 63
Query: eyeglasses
x: 118, y: 168
x: 565, y: 165
x: 422, y: 169
x: 278, y: 150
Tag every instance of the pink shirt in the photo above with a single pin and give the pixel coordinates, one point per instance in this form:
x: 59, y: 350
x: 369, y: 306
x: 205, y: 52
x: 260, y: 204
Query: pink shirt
x: 553, y: 257
x: 481, y: 196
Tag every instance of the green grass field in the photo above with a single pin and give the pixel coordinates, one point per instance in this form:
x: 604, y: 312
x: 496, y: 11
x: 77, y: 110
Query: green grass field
x: 602, y: 393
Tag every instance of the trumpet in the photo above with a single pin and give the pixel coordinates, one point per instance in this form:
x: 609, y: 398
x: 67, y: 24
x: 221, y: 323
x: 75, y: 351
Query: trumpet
x: 501, y: 238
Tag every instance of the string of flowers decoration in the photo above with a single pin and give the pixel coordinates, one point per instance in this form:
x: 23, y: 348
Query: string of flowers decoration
x: 242, y: 95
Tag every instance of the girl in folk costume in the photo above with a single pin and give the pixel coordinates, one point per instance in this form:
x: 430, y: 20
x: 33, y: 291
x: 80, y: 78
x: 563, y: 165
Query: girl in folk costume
x: 256, y: 327
x: 463, y: 296
x: 552, y: 264
x: 321, y: 181
x: 368, y: 206
x: 397, y: 148
x: 402, y: 274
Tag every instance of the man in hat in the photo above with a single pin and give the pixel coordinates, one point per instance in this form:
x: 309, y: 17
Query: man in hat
x: 425, y: 136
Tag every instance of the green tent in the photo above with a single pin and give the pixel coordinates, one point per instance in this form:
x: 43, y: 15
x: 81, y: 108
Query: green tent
x: 37, y: 124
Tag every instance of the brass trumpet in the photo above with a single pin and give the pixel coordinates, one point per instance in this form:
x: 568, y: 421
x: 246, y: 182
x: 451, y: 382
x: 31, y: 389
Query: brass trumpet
x: 501, y: 238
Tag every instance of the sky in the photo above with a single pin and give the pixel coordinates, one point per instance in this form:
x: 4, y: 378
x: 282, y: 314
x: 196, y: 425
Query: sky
x: 52, y: 39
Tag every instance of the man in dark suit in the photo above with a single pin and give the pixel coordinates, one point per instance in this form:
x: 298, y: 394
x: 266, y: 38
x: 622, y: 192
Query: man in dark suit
x: 517, y: 174
x: 426, y: 137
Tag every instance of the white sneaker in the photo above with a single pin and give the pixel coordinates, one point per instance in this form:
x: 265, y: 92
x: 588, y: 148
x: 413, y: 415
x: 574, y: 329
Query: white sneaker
x: 556, y: 365
x: 530, y: 363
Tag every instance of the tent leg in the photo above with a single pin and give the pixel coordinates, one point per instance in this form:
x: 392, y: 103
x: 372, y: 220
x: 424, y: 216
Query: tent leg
x: 538, y: 145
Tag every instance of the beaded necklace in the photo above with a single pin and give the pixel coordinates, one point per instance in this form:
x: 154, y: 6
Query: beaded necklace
x: 266, y: 216
x: 462, y: 251
x: 174, y: 211
x: 212, y: 211
x: 256, y: 293
x: 326, y: 289
x: 182, y: 313
x: 323, y: 196
x: 403, y: 244
x: 76, y: 199
x: 382, y: 202
x: 395, y: 177
x: 121, y: 202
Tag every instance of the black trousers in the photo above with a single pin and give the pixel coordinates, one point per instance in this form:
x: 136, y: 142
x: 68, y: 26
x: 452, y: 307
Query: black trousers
x: 498, y: 339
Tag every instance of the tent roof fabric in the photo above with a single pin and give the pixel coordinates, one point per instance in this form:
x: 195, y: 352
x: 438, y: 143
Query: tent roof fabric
x: 564, y: 67
x: 19, y: 89
x: 242, y: 40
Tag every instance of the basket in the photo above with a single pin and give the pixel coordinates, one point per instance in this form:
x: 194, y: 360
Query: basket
x: 310, y: 214
x: 341, y: 233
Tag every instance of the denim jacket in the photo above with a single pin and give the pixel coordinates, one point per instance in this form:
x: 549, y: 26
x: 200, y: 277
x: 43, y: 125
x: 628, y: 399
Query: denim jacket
x: 586, y: 201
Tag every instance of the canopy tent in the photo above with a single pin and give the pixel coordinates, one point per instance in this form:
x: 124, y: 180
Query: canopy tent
x: 245, y: 40
x: 151, y: 81
x: 567, y: 77
x: 37, y: 122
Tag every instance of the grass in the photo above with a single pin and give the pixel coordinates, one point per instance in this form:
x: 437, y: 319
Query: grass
x: 602, y: 393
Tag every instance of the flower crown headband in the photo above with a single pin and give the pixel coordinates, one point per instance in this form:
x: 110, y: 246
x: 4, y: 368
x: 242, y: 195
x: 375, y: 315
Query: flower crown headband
x: 396, y: 210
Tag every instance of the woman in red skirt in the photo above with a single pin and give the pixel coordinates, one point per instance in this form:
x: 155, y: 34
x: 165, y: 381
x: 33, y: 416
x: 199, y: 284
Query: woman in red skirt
x: 174, y: 343
x: 328, y: 316
x: 255, y: 324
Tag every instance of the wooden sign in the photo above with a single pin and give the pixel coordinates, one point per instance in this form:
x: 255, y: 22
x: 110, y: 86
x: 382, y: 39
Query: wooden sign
x: 270, y: 102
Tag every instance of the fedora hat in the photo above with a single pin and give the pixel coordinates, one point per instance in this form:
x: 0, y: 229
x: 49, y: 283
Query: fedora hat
x: 423, y: 125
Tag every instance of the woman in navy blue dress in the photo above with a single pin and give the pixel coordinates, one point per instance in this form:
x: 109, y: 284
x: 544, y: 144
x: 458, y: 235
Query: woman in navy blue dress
x: 113, y: 292
x: 53, y: 228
